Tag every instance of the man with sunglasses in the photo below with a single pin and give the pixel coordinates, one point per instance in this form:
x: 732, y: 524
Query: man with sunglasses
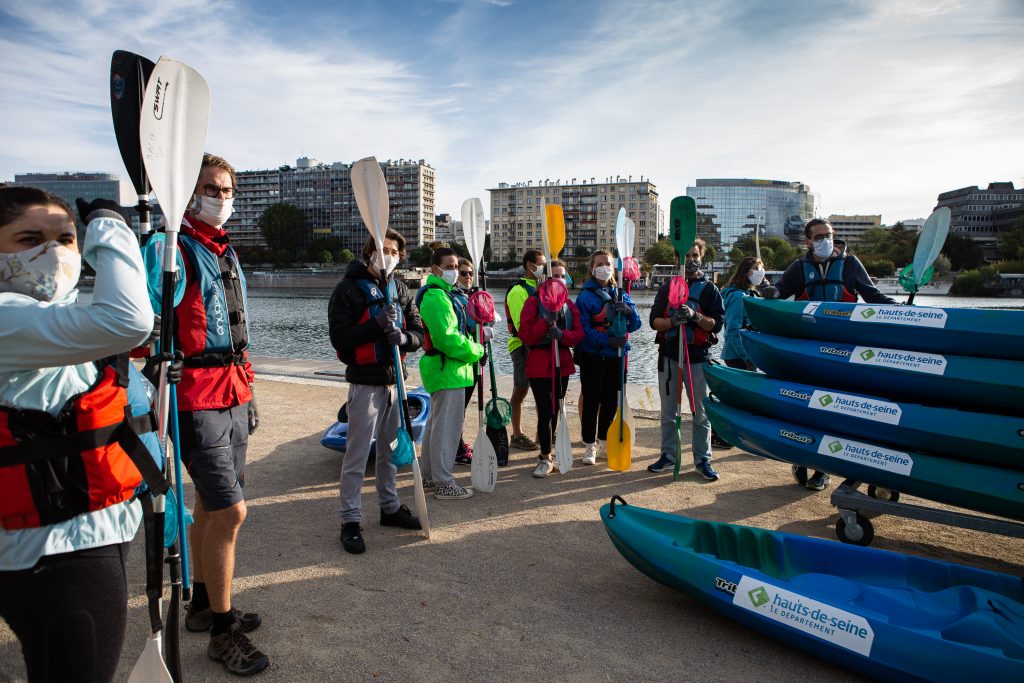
x: 825, y: 273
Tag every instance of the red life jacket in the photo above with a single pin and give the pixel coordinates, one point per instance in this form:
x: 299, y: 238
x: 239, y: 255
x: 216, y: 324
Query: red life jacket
x: 602, y: 320
x: 86, y: 458
x: 695, y: 334
x: 376, y: 352
x: 829, y: 288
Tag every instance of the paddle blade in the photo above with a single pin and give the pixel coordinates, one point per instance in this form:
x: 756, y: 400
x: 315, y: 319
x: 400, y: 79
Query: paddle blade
x: 627, y: 410
x: 678, y: 291
x: 757, y: 241
x: 474, y: 229
x: 630, y: 238
x: 563, y: 443
x: 129, y: 74
x: 481, y: 307
x: 929, y: 244
x: 371, y: 192
x: 630, y: 269
x: 172, y: 131
x: 553, y: 294
x: 620, y: 233
x: 402, y: 452
x: 554, y: 229
x: 620, y: 450
x: 498, y: 412
x: 909, y: 281
x: 682, y: 224
x: 420, y: 498
x: 499, y: 440
x: 483, y: 471
x: 150, y: 667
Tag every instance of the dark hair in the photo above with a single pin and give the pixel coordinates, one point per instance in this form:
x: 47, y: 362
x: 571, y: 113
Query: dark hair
x: 14, y: 199
x: 371, y: 246
x: 699, y: 243
x: 439, y: 255
x: 531, y: 257
x: 740, y: 278
x: 221, y: 163
x: 813, y: 222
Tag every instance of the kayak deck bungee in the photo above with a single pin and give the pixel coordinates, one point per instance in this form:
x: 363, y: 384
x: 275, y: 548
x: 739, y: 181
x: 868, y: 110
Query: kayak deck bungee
x: 884, y: 614
x: 973, y: 437
x: 968, y: 382
x: 983, y: 488
x: 992, y: 333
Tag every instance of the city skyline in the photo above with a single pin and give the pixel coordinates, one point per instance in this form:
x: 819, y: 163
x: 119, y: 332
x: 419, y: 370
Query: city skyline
x: 877, y: 106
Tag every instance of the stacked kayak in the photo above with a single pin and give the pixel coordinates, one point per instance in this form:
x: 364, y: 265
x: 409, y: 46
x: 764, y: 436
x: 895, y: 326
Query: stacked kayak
x: 884, y: 614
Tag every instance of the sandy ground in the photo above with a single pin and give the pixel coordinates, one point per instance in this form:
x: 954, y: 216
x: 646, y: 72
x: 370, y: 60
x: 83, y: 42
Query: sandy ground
x: 521, y: 584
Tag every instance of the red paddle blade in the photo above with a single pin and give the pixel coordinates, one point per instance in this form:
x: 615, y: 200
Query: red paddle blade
x: 481, y: 307
x: 678, y: 291
x: 630, y: 269
x: 553, y: 294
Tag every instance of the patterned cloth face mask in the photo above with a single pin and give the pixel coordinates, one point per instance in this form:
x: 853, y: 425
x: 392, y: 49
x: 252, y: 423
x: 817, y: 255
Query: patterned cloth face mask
x: 46, y: 272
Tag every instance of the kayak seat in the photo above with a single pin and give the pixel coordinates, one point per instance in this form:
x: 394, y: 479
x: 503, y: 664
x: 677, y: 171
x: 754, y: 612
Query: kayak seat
x: 996, y: 624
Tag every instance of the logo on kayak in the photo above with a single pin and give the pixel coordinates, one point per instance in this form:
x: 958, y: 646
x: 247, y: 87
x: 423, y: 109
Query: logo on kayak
x: 834, y: 351
x: 758, y: 596
x: 725, y: 586
x: 857, y: 406
x: 867, y: 354
x: 791, y: 393
x: 835, y: 446
x: 914, y: 316
x: 837, y: 312
x: 914, y: 361
x: 867, y: 455
x: 796, y: 436
x: 825, y: 400
x: 867, y: 313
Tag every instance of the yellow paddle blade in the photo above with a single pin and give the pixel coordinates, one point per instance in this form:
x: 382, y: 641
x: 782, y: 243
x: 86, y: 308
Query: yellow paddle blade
x: 555, y: 226
x: 619, y: 452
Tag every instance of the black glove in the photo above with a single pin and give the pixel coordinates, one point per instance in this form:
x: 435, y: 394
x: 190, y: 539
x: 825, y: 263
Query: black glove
x: 555, y: 332
x: 154, y: 336
x: 254, y: 416
x: 151, y: 370
x: 387, y: 317
x: 622, y: 308
x: 396, y: 337
x: 101, y: 208
x: 682, y: 316
x: 616, y: 342
x: 770, y: 292
x: 550, y: 317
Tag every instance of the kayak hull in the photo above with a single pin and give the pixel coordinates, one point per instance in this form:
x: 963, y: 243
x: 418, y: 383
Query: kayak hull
x: 336, y: 436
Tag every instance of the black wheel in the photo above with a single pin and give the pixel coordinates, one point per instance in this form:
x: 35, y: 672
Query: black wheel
x: 800, y: 474
x: 861, y: 532
x: 880, y: 493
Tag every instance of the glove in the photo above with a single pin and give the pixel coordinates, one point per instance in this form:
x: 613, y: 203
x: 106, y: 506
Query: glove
x: 550, y: 317
x: 622, y: 308
x: 616, y: 342
x: 151, y: 370
x: 488, y: 333
x: 555, y: 332
x: 770, y: 292
x: 387, y: 317
x: 396, y: 337
x: 682, y: 316
x: 254, y: 416
x: 154, y: 336
x: 101, y: 208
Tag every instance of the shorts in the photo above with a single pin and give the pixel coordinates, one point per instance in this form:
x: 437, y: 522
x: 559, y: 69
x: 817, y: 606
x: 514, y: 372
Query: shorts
x: 213, y: 445
x: 519, y: 379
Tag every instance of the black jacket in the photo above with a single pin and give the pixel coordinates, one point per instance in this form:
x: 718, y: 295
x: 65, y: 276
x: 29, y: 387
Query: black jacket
x: 344, y: 312
x: 855, y: 279
x: 711, y: 305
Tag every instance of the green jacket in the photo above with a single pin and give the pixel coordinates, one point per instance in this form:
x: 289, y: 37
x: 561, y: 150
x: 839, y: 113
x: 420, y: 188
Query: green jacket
x: 452, y: 367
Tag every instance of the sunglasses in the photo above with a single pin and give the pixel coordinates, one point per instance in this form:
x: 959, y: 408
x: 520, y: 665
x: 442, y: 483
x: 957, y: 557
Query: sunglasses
x: 465, y: 273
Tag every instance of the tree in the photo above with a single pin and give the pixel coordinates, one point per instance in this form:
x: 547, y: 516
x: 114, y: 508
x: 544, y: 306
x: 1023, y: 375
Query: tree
x: 1011, y: 242
x: 581, y: 251
x: 345, y: 256
x: 942, y: 265
x: 880, y: 268
x: 660, y: 253
x: 461, y: 249
x: 776, y: 252
x: 420, y: 256
x: 896, y: 244
x: 513, y: 255
x: 963, y: 253
x: 326, y: 258
x: 284, y: 227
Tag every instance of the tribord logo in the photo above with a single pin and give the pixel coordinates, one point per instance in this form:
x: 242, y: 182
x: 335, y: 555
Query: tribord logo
x: 796, y: 436
x: 725, y: 586
x: 834, y: 351
x: 837, y: 312
x: 791, y: 393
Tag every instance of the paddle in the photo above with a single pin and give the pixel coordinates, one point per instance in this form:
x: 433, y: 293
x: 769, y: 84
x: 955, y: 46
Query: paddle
x: 172, y: 134
x: 630, y: 272
x: 498, y: 410
x: 483, y: 470
x: 683, y: 233
x: 129, y: 74
x: 929, y: 246
x: 620, y: 432
x: 678, y: 293
x: 371, y: 192
x: 554, y: 242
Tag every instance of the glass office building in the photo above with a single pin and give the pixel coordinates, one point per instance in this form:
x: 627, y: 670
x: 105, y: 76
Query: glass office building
x: 70, y: 186
x: 730, y: 208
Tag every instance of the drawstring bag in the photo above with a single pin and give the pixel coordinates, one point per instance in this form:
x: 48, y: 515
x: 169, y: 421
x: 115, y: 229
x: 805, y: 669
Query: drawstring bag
x: 481, y: 307
x: 630, y: 269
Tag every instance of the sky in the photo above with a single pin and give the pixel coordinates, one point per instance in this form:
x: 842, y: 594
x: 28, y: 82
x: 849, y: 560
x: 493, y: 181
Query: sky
x: 878, y: 106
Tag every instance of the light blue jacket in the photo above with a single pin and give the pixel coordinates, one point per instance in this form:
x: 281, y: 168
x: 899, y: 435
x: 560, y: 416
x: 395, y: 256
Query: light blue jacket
x: 735, y: 319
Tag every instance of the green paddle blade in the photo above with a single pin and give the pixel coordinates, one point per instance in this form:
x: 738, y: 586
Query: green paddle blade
x: 498, y: 413
x: 682, y: 224
x: 402, y: 453
x: 907, y: 279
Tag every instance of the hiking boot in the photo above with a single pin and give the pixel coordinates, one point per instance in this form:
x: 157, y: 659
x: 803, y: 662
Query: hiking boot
x: 464, y: 456
x: 818, y: 481
x: 236, y: 652
x: 522, y: 442
x: 402, y: 517
x: 705, y: 470
x: 590, y: 454
x: 544, y: 468
x: 352, y: 538
x: 198, y: 621
x: 453, y: 492
x: 664, y: 464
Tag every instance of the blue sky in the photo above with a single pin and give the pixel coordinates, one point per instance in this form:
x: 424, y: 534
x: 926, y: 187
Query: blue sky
x: 878, y: 106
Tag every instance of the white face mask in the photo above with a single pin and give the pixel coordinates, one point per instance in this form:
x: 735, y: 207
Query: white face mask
x: 46, y: 272
x: 450, y: 276
x: 389, y: 263
x: 213, y: 211
x: 603, y: 273
x: 756, y: 277
x: 823, y: 249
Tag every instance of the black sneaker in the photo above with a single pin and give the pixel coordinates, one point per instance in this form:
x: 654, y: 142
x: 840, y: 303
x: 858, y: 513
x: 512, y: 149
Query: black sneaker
x: 352, y: 538
x: 401, y: 517
x: 236, y: 652
x: 198, y: 621
x: 719, y: 442
x: 818, y: 481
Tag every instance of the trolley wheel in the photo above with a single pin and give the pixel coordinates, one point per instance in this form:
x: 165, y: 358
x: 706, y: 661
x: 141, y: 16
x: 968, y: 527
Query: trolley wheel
x: 861, y: 532
x: 880, y: 493
x: 800, y: 474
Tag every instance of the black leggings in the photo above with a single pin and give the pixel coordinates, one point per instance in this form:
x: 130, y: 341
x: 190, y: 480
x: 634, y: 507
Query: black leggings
x: 599, y: 378
x: 470, y: 393
x: 547, y: 419
x: 69, y: 612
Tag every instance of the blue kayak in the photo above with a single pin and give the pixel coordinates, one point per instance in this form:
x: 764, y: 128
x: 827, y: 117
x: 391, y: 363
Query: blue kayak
x: 974, y: 437
x: 984, y: 488
x: 964, y: 381
x: 884, y: 614
x: 336, y: 436
x: 993, y: 333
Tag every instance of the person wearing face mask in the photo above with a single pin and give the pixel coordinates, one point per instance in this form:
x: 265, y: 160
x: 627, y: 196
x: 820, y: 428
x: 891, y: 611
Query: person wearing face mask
x: 698, y: 321
x: 446, y: 369
x: 599, y: 303
x: 750, y: 275
x: 534, y: 263
x: 825, y: 273
x: 464, y: 287
x: 363, y: 332
x: 216, y: 413
x: 67, y: 505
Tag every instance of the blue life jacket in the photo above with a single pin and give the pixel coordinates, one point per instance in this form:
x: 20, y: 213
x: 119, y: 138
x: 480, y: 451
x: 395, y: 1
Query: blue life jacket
x: 829, y: 289
x: 377, y: 352
x: 223, y: 290
x: 459, y: 303
x: 695, y: 336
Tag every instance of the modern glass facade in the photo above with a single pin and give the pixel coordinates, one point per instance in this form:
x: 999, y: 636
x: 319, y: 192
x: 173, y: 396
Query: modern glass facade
x: 729, y: 208
x: 70, y: 186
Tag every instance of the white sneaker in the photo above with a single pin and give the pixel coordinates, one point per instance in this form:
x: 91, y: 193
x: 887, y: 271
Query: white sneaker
x: 544, y: 468
x: 602, y: 449
x: 590, y: 455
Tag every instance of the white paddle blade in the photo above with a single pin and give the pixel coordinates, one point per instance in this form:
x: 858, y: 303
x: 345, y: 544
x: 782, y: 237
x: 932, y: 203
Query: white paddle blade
x: 172, y: 131
x: 150, y: 667
x: 420, y: 498
x: 630, y: 236
x: 563, y: 443
x: 929, y: 244
x: 483, y: 471
x: 620, y: 234
x: 480, y: 223
x: 757, y: 240
x: 371, y: 191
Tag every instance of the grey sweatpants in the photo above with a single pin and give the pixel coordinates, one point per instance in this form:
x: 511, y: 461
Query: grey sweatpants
x: 372, y: 411
x: 441, y: 435
x: 668, y: 390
